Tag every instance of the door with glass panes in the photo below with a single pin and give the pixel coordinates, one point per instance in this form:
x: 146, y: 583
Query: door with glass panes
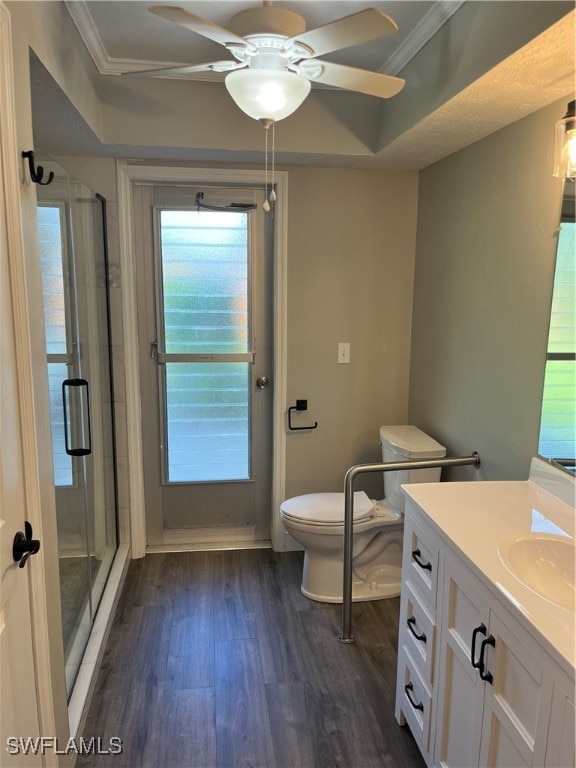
x: 205, y: 326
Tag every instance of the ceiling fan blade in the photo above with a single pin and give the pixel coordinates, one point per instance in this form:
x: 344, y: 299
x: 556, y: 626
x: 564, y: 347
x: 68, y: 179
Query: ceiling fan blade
x: 352, y: 79
x: 199, y: 25
x: 360, y: 27
x: 214, y: 66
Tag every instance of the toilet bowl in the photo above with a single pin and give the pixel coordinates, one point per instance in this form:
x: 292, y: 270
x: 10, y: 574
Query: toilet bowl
x: 316, y: 521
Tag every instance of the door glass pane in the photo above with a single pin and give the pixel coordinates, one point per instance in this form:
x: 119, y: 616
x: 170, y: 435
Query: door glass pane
x: 205, y: 281
x: 207, y: 408
x: 204, y: 265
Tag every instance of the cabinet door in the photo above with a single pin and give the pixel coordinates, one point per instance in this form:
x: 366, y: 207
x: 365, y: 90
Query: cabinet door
x: 460, y: 688
x: 516, y: 703
x: 560, y: 751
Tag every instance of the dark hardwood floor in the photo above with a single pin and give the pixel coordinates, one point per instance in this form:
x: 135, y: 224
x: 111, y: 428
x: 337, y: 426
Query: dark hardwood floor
x: 217, y: 659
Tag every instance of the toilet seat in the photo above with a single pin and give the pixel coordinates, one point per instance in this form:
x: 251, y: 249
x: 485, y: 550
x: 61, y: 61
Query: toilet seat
x: 320, y: 509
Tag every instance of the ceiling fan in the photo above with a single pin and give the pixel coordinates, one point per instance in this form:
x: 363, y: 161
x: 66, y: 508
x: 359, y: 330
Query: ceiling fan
x: 272, y: 58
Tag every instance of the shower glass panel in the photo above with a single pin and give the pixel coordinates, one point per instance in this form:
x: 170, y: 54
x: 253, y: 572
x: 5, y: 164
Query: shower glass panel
x: 72, y: 243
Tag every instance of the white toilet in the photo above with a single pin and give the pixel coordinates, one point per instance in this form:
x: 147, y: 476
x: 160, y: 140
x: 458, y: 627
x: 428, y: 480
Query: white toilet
x: 316, y: 521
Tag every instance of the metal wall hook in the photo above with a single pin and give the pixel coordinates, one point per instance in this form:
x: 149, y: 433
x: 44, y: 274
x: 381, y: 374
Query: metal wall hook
x: 37, y: 172
x: 301, y: 405
x: 24, y: 545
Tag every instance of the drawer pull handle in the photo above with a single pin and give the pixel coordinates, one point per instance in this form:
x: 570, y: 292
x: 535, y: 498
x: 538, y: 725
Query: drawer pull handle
x: 487, y: 676
x: 409, y: 687
x: 411, y: 624
x: 416, y: 554
x: 481, y: 628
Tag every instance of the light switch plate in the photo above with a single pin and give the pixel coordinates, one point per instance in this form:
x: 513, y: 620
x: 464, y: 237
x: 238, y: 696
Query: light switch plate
x: 343, y: 352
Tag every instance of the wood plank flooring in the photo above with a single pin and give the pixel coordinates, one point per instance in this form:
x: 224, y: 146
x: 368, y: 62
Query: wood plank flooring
x: 216, y: 660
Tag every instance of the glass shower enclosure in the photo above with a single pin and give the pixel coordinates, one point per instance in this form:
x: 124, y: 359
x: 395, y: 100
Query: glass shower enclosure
x: 73, y: 254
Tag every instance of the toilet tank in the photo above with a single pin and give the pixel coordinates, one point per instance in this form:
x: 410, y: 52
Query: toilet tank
x: 407, y: 443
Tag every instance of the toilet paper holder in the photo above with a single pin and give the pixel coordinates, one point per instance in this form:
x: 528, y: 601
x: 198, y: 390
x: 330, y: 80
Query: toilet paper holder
x: 301, y: 405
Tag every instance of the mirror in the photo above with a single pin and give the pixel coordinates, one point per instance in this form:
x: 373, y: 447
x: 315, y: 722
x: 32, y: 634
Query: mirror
x: 558, y: 417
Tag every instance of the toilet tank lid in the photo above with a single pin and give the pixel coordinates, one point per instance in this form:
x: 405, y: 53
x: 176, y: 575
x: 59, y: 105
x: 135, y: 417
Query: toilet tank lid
x: 326, y: 507
x: 411, y: 442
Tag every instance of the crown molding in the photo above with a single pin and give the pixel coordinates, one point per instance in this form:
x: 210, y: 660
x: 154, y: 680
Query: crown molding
x: 108, y: 65
x: 85, y: 25
x: 419, y: 36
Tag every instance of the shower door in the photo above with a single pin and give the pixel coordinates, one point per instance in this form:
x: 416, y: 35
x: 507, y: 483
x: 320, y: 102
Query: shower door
x: 72, y: 244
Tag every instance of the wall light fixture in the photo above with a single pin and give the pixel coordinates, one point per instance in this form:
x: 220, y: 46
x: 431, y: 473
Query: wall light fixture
x: 565, y: 144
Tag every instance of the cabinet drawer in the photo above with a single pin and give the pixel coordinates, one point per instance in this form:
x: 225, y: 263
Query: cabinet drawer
x: 420, y: 562
x: 417, y: 632
x: 414, y: 700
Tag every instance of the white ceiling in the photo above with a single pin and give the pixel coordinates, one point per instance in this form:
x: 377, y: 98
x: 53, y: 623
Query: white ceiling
x: 122, y: 36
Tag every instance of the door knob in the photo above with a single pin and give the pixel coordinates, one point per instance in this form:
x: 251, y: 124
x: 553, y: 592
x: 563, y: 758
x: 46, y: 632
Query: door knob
x: 24, y: 545
x: 262, y: 382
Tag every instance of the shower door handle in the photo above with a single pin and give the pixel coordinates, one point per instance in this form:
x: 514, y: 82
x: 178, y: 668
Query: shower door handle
x: 84, y: 428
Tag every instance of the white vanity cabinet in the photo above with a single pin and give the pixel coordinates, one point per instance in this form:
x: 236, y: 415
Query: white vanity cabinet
x: 494, y: 697
x: 475, y: 685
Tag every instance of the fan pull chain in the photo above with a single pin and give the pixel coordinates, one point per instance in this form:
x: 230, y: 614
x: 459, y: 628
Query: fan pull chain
x: 266, y: 204
x: 272, y: 185
x: 272, y: 198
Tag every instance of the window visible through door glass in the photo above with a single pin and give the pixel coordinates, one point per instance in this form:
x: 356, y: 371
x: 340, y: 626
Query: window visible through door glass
x: 205, y: 303
x: 205, y: 281
x: 51, y: 242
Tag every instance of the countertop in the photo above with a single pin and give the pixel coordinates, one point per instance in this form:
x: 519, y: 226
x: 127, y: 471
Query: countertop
x: 480, y: 517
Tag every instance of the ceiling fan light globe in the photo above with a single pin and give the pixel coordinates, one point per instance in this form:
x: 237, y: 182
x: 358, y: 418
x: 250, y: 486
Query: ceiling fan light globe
x: 267, y: 94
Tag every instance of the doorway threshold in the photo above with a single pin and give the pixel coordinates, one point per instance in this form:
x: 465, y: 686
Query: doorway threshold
x: 200, y: 538
x: 208, y: 546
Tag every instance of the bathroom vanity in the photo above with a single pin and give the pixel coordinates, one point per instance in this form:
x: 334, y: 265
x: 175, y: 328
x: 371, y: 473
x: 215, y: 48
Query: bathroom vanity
x: 486, y: 648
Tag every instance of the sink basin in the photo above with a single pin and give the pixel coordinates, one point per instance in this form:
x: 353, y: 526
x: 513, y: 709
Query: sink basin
x: 545, y: 564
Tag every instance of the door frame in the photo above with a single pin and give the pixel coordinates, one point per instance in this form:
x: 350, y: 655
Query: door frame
x: 50, y: 694
x: 127, y: 176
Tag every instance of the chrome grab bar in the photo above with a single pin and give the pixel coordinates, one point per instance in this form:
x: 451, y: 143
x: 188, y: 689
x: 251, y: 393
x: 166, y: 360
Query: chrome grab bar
x: 346, y: 635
